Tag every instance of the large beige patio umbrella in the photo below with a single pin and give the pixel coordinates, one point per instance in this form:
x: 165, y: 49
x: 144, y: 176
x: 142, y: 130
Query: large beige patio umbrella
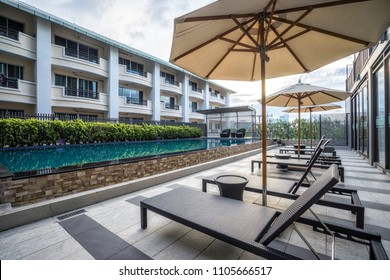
x: 310, y: 110
x: 304, y: 95
x: 251, y: 40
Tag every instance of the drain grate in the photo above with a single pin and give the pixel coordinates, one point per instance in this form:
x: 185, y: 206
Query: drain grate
x: 71, y: 214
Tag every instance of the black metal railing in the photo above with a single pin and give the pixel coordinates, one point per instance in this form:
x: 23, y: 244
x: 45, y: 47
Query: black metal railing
x: 136, y: 101
x: 9, y: 33
x: 139, y: 73
x: 171, y: 82
x: 81, y: 93
x: 82, y: 55
x: 172, y: 106
x: 8, y: 82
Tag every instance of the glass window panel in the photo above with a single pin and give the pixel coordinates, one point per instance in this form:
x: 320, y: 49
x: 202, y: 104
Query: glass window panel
x: 71, y: 83
x: 379, y: 78
x: 14, y: 25
x: 60, y: 80
x: 3, y: 21
x: 60, y: 41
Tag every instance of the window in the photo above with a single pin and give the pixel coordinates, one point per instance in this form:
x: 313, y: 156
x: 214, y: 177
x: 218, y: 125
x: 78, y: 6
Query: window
x: 60, y: 80
x: 133, y: 67
x: 77, y: 50
x: 169, y: 78
x: 11, y: 71
x: 10, y: 28
x: 193, y: 86
x: 77, y: 87
x: 379, y: 84
x: 133, y: 96
x: 9, y: 75
x: 193, y: 106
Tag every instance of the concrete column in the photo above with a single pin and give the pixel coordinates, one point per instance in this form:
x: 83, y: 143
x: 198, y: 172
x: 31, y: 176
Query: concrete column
x: 185, y: 99
x: 227, y: 100
x: 43, y: 67
x: 113, y: 84
x: 206, y: 96
x: 156, y: 93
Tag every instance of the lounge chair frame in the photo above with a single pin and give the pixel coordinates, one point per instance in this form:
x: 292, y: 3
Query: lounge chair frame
x: 252, y: 227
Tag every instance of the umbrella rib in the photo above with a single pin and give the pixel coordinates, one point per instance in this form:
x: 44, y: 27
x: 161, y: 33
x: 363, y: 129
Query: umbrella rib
x: 292, y: 25
x: 210, y: 41
x: 246, y: 32
x: 227, y: 53
x: 273, y: 3
x: 250, y: 48
x: 291, y: 51
x: 318, y: 6
x: 327, y: 32
x: 281, y: 44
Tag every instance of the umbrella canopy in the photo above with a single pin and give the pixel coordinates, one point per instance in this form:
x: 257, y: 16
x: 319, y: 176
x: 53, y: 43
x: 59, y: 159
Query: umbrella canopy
x: 310, y: 109
x: 250, y: 40
x: 304, y: 95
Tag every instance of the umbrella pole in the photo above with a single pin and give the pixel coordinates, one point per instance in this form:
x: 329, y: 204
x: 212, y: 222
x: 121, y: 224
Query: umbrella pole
x: 311, y: 133
x: 263, y: 59
x: 299, y: 128
x: 264, y: 133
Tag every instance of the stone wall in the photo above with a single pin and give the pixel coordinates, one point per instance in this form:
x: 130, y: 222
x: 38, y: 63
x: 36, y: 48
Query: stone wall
x: 30, y: 190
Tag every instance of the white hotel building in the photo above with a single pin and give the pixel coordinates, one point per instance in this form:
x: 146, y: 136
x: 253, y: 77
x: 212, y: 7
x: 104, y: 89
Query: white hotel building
x: 51, y: 66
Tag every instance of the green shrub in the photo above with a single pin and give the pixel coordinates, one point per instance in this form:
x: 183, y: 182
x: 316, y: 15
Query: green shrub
x: 17, y: 132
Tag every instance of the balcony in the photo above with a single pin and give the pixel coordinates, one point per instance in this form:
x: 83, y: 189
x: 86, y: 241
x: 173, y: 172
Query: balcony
x: 358, y: 65
x: 194, y: 115
x: 81, y: 93
x: 63, y: 57
x: 17, y: 43
x: 138, y: 78
x: 75, y: 98
x: 196, y: 93
x: 217, y: 98
x: 135, y: 106
x: 171, y: 110
x: 19, y: 91
x: 171, y: 86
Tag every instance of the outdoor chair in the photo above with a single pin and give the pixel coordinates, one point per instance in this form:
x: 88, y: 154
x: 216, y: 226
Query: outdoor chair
x: 301, y: 164
x: 225, y: 133
x: 255, y: 228
x: 338, y: 197
x: 240, y: 133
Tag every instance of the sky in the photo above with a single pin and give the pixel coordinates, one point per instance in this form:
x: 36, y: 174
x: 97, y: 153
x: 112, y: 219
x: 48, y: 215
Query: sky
x: 147, y: 25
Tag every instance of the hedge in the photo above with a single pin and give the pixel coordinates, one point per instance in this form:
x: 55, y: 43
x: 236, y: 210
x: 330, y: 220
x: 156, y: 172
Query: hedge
x: 18, y: 132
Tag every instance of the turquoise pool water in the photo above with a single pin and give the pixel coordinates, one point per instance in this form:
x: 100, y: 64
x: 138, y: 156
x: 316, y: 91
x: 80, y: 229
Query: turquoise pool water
x: 54, y: 157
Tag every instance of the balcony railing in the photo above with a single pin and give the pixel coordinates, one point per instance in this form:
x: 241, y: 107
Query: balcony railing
x: 136, y: 101
x: 8, y: 82
x: 81, y: 93
x: 10, y: 33
x: 172, y: 106
x: 82, y: 55
x: 175, y: 83
x: 139, y: 73
x: 196, y: 90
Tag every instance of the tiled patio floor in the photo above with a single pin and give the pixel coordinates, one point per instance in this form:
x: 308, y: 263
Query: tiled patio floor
x: 111, y: 229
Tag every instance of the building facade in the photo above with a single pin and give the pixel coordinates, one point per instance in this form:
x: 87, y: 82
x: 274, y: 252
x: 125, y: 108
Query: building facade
x: 369, y: 106
x: 50, y: 66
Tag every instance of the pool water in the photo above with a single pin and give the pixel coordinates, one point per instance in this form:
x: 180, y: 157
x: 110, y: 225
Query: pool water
x: 53, y: 157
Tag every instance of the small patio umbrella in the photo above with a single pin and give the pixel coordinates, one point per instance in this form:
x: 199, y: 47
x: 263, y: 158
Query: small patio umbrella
x: 310, y: 109
x: 251, y: 40
x: 304, y: 95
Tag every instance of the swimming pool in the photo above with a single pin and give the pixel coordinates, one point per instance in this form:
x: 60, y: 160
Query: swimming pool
x: 35, y: 159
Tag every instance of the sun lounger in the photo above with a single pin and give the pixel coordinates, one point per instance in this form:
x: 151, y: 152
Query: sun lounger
x: 347, y: 199
x: 296, y: 163
x: 252, y: 227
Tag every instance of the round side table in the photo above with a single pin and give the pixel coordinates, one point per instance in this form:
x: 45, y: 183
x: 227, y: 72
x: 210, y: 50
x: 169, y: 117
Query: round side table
x: 231, y: 186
